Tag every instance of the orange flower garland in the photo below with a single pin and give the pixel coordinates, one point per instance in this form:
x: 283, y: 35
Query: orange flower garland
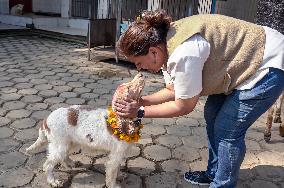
x: 111, y: 121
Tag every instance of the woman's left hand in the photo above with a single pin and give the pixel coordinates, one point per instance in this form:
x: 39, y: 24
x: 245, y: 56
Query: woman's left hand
x: 126, y: 107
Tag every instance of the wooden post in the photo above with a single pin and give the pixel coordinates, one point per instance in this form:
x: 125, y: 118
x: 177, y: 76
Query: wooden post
x: 89, y: 33
x: 118, y: 22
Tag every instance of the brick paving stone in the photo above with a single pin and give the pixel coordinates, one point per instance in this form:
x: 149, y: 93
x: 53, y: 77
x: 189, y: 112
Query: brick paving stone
x: 174, y: 165
x: 57, y: 83
x: 75, y: 101
x: 252, y: 145
x: 169, y: 141
x: 8, y: 145
x: 150, y: 129
x: 4, y: 121
x: 186, y: 153
x: 132, y: 181
x: 10, y: 96
x: 140, y: 166
x: 145, y: 139
x: 179, y: 130
x: 5, y: 132
x: 27, y: 134
x: 75, y: 84
x: 19, y: 80
x: 50, y: 78
x: 271, y: 158
x: 250, y: 158
x: 47, y: 93
x: 61, y: 89
x: 199, y: 165
x: 68, y: 95
x: 254, y: 135
x: 23, y: 85
x: 43, y: 86
x: 11, y: 178
x: 163, y: 121
x: 41, y: 182
x: 8, y: 90
x: 133, y: 152
x: 162, y: 180
x: 30, y: 91
x: 81, y: 90
x: 11, y: 160
x: 14, y: 114
x: 32, y: 99
x: 23, y: 123
x: 87, y: 80
x: 40, y: 114
x: 187, y: 122
x: 54, y: 100
x: 195, y: 142
x: 35, y: 162
x: 6, y: 84
x: 88, y: 180
x: 14, y: 105
x: 58, y: 105
x: 157, y: 153
x: 269, y: 173
x: 262, y: 183
x: 69, y: 79
x: 38, y: 81
x: 37, y: 106
x: 89, y: 96
x: 246, y: 174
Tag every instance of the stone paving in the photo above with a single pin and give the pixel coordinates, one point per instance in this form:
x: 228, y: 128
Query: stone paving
x: 38, y: 75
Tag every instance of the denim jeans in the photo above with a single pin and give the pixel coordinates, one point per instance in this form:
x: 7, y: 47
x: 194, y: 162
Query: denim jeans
x: 228, y: 117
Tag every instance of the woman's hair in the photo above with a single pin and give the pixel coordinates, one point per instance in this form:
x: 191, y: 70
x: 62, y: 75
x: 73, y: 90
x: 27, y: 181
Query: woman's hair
x: 150, y: 30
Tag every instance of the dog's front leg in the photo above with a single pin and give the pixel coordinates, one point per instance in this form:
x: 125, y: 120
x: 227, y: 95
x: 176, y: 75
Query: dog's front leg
x: 112, y: 168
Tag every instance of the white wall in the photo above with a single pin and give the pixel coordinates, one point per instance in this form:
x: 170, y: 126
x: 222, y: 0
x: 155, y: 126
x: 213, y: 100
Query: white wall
x: 4, y: 6
x: 47, y: 6
x: 65, y: 7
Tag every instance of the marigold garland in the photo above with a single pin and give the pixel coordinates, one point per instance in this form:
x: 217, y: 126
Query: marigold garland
x: 111, y: 121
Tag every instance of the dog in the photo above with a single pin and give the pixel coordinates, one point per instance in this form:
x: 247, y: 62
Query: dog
x: 17, y: 9
x: 277, y: 118
x: 88, y: 128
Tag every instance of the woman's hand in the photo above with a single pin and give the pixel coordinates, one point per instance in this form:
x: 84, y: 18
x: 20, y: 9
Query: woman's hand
x: 126, y: 107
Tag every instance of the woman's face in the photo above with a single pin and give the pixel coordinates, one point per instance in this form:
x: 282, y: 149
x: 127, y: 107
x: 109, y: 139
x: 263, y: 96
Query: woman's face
x: 153, y: 61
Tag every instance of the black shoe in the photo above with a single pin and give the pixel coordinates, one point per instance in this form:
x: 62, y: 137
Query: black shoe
x: 197, y: 178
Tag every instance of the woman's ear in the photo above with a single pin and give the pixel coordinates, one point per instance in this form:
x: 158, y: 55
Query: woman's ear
x: 153, y: 50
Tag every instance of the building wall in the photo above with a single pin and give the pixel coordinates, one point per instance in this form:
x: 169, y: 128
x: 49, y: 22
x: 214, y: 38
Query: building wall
x: 4, y: 6
x: 47, y: 6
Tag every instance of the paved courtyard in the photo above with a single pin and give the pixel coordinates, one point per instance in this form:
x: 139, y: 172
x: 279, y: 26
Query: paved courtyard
x: 38, y: 75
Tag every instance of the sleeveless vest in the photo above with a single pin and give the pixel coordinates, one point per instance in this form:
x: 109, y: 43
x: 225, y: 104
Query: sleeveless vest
x: 236, y: 49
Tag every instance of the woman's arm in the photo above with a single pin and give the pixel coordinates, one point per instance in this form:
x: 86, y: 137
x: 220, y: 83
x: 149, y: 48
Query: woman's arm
x: 164, y: 95
x: 170, y: 109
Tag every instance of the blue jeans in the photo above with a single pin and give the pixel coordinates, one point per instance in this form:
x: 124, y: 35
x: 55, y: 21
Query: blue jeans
x: 228, y: 117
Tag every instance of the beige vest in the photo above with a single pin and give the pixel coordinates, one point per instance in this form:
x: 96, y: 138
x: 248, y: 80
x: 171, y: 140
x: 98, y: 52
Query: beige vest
x: 236, y: 49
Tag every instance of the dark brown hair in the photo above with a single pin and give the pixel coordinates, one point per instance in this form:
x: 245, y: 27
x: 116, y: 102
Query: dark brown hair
x: 150, y: 30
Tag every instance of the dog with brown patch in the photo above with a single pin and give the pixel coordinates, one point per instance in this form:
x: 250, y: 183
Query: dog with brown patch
x: 76, y: 125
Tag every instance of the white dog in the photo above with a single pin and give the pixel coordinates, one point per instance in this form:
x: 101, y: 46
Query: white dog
x: 17, y: 9
x: 77, y: 125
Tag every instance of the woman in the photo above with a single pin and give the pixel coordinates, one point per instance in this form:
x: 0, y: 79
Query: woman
x: 238, y: 65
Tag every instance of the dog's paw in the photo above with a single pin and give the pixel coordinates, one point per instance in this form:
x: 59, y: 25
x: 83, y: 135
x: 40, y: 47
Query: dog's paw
x: 122, y: 176
x: 56, y: 183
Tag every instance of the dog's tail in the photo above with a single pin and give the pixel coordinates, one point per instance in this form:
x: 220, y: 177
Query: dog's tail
x: 41, y: 140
